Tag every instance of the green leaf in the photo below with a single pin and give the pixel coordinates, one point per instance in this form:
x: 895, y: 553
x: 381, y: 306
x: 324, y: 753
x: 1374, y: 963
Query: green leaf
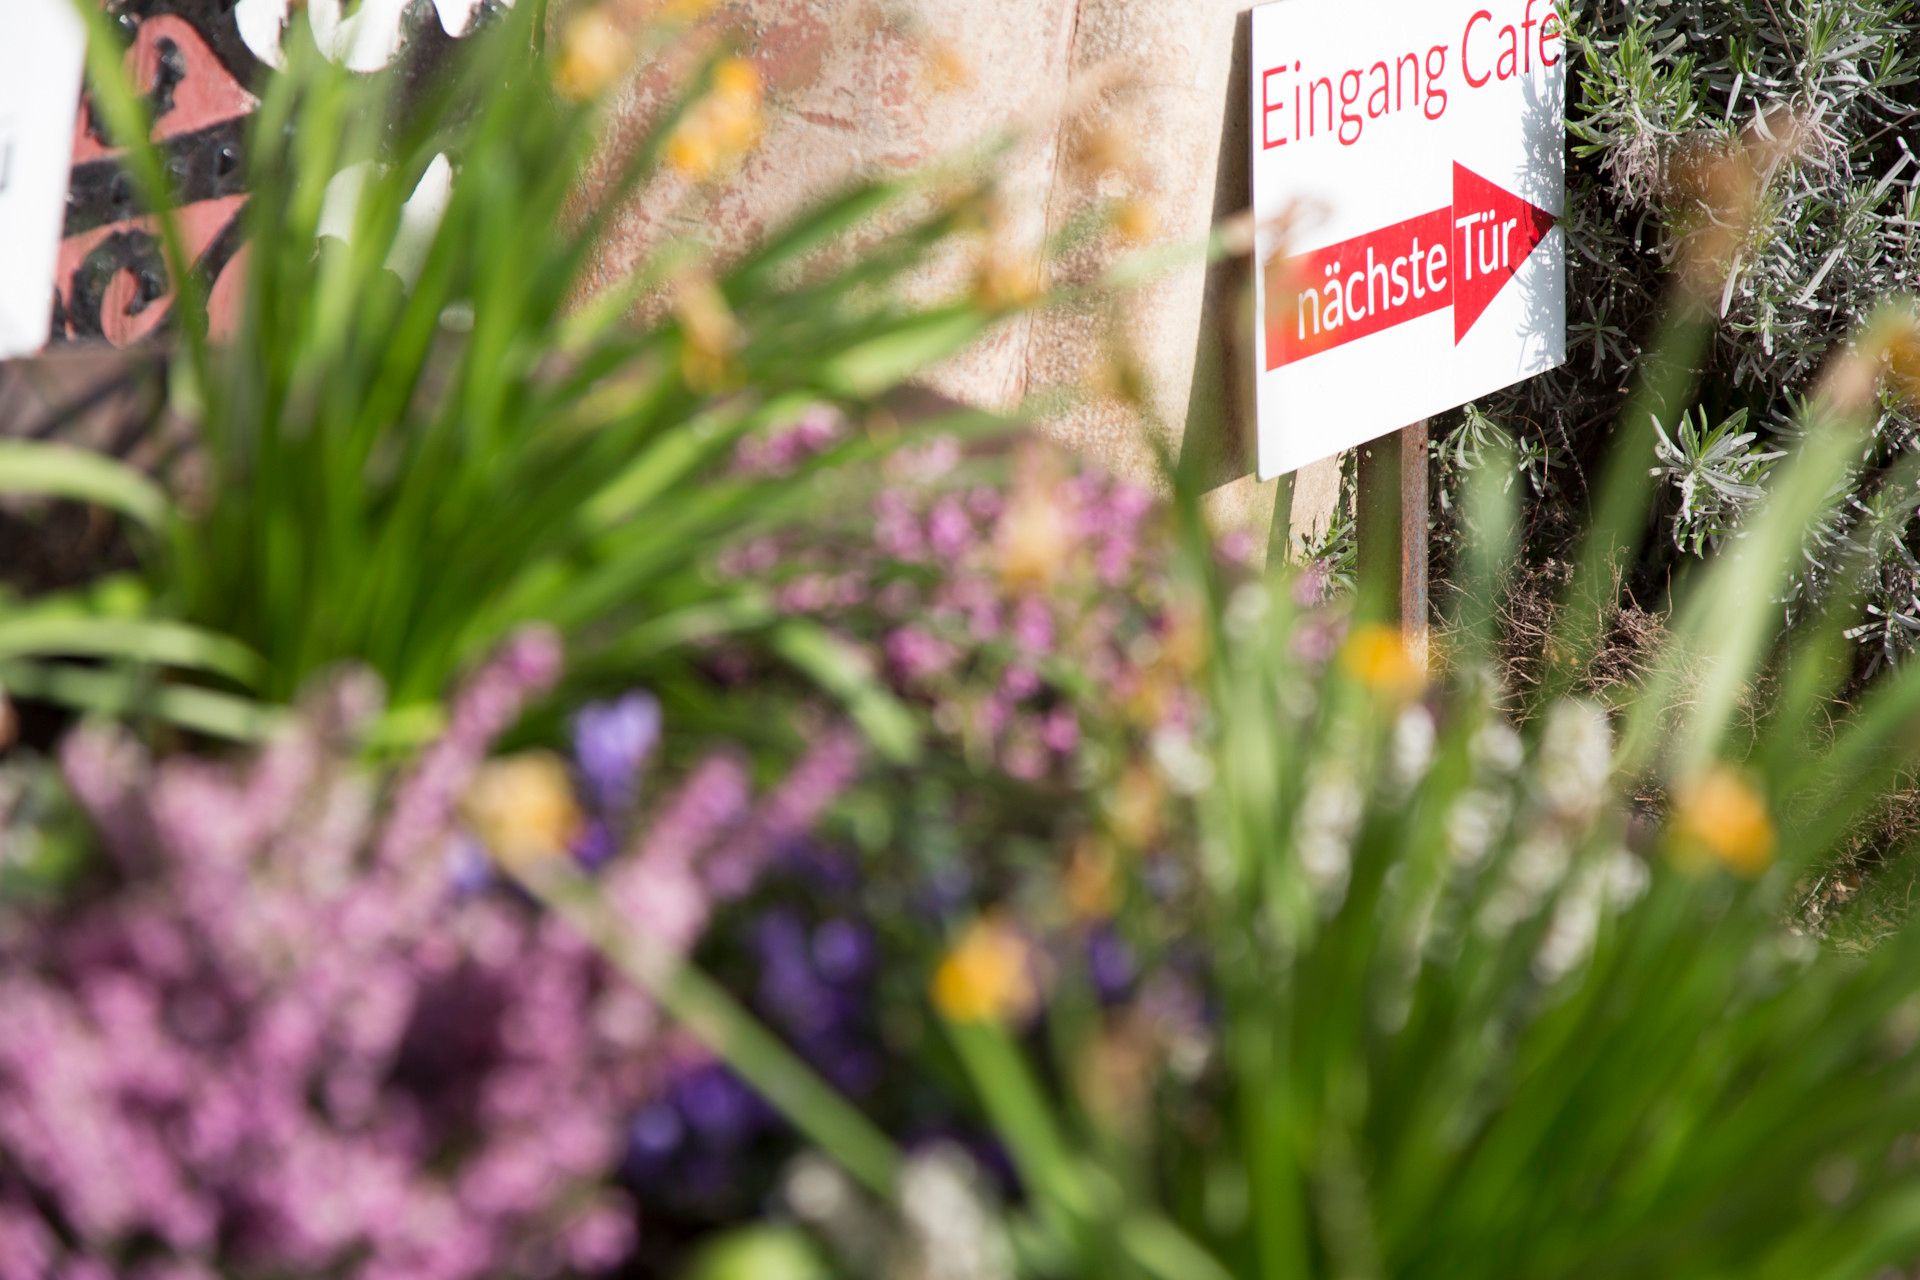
x: 813, y: 230
x: 62, y: 471
x: 167, y: 644
x: 847, y: 673
x: 880, y: 363
x: 1164, y: 1250
x: 123, y: 694
x: 711, y: 1014
x: 759, y: 1253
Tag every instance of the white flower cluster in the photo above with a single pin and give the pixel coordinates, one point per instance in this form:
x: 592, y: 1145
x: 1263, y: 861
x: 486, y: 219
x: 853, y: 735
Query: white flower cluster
x: 946, y: 1227
x: 1323, y: 832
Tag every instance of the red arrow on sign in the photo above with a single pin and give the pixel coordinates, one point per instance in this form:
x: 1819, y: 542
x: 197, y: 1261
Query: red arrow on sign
x: 1461, y: 257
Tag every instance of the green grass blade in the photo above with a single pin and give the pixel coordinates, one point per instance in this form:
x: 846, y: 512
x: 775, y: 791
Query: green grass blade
x: 127, y: 695
x: 80, y: 475
x: 166, y: 644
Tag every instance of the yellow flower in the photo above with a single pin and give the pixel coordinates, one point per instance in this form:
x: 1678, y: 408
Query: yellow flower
x: 1720, y: 816
x: 594, y: 52
x: 1096, y: 150
x: 1135, y: 222
x: 1187, y: 642
x: 1138, y: 810
x: 1900, y: 344
x: 1118, y: 376
x: 1903, y: 363
x: 522, y: 808
x: 1006, y: 279
x: 721, y: 127
x: 1034, y: 540
x: 736, y: 79
x: 712, y: 334
x: 945, y: 69
x: 1088, y: 886
x: 1887, y: 351
x: 685, y: 10
x: 1151, y: 697
x: 694, y: 154
x: 988, y: 976
x: 709, y: 373
x: 1378, y: 657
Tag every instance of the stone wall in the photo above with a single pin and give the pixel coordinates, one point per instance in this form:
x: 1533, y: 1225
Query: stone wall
x: 860, y: 84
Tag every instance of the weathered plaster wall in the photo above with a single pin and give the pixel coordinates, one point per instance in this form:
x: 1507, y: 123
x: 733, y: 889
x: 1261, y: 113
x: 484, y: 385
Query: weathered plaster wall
x: 852, y: 92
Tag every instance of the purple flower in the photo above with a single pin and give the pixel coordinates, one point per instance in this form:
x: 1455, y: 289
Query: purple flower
x: 1019, y: 683
x: 947, y: 889
x: 487, y: 706
x: 781, y: 451
x: 949, y: 532
x: 654, y: 1134
x: 843, y: 950
x: 917, y: 655
x: 1032, y: 630
x: 1025, y: 759
x: 711, y: 802
x: 896, y: 530
x: 1313, y: 585
x: 106, y: 770
x: 791, y: 992
x: 602, y: 1237
x: 808, y: 594
x: 1110, y: 965
x: 469, y: 869
x: 788, y: 814
x: 611, y: 744
x: 268, y: 1052
x: 1061, y: 732
x: 663, y: 899
x: 596, y: 845
x: 1318, y: 638
x: 717, y: 1106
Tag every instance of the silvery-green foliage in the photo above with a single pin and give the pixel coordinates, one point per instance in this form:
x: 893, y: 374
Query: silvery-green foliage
x: 1658, y: 84
x: 1480, y: 440
x: 1879, y: 536
x: 1835, y: 232
x: 1716, y: 474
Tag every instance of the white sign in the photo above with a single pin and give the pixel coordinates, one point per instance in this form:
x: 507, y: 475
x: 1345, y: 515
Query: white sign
x: 1409, y: 173
x: 40, y: 58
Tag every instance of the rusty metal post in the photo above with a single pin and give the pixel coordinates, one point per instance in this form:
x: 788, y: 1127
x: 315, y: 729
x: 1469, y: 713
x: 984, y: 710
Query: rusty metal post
x: 1393, y: 499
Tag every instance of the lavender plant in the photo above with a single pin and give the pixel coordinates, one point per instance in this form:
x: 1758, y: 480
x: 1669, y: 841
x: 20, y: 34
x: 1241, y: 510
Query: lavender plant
x: 1718, y: 474
x: 1833, y: 88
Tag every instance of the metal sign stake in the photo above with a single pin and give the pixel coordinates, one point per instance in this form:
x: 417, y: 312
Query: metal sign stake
x: 1392, y: 485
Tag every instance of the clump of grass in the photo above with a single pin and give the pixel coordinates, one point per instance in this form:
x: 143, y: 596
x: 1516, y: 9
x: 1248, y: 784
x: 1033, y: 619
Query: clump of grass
x: 431, y: 430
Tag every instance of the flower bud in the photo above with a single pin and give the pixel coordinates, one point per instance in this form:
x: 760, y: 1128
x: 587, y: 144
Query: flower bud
x: 594, y: 53
x: 988, y: 976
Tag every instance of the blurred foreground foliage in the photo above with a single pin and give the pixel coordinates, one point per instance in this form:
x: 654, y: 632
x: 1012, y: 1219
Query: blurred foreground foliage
x: 1179, y: 922
x: 425, y: 434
